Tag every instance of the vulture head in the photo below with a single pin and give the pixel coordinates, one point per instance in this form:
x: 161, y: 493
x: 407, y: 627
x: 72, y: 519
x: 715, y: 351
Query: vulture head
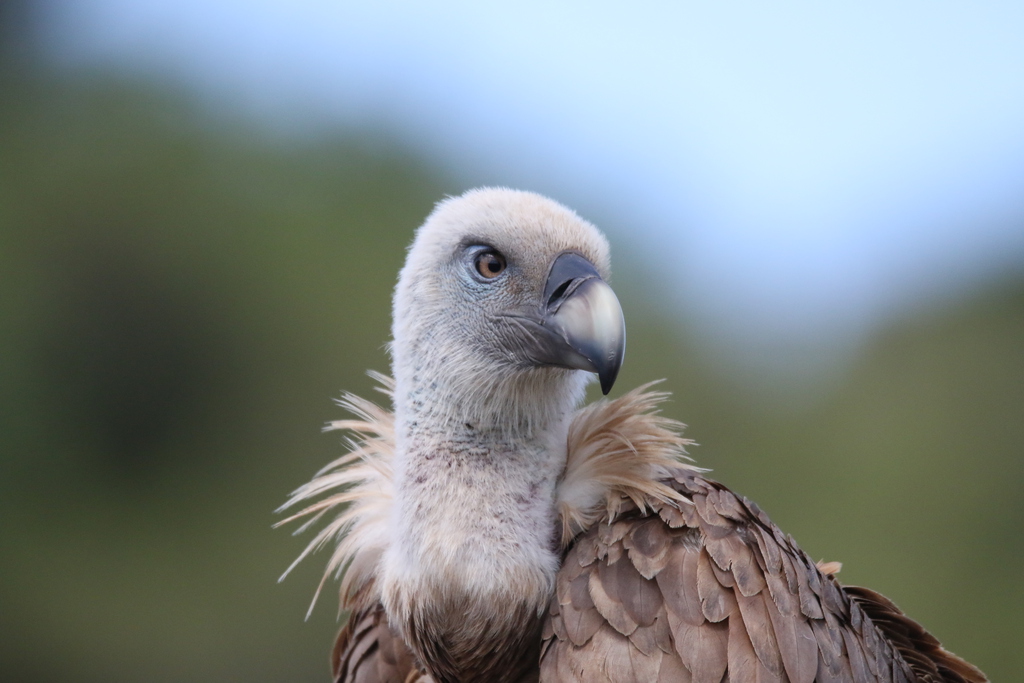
x: 502, y: 301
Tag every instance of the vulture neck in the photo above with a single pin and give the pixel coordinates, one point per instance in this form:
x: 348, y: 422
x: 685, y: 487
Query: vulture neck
x: 473, y: 550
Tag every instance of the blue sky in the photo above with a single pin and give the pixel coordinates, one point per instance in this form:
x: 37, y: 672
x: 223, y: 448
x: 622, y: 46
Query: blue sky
x: 807, y: 169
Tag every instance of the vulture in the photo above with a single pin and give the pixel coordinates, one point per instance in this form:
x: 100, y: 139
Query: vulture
x: 487, y: 528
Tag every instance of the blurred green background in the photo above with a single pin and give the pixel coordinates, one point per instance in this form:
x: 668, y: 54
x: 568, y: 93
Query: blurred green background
x: 182, y: 294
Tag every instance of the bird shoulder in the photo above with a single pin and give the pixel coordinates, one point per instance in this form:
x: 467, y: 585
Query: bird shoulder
x: 710, y: 590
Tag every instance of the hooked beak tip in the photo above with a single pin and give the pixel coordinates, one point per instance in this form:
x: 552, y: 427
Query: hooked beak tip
x: 580, y: 325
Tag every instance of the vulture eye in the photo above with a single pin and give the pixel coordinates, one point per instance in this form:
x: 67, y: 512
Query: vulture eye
x: 489, y: 264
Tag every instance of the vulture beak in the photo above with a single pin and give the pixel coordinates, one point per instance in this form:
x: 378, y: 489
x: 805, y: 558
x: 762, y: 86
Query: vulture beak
x: 580, y: 321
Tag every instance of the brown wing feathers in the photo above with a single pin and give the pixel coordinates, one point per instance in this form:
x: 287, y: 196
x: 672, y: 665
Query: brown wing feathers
x: 368, y: 651
x: 926, y: 656
x: 713, y: 591
x: 704, y: 592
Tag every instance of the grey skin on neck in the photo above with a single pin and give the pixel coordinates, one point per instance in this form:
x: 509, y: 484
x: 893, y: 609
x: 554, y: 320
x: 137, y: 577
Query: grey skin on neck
x: 476, y: 538
x: 473, y: 553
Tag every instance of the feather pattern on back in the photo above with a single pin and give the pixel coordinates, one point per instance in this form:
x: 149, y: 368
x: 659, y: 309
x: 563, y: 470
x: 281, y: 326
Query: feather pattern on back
x: 713, y: 591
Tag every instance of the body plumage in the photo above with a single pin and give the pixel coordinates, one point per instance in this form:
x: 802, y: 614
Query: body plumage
x: 491, y: 530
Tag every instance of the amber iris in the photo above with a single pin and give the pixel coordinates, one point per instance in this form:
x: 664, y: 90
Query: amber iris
x: 490, y: 264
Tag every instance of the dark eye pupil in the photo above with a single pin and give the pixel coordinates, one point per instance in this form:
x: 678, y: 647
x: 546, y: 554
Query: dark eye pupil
x: 490, y: 264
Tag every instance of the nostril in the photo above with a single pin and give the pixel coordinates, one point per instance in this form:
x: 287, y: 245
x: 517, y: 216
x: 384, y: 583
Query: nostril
x: 559, y: 292
x: 567, y: 274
